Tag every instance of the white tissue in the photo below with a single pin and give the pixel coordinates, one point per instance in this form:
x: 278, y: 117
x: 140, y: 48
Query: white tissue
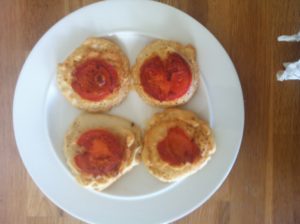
x: 291, y: 38
x: 291, y: 72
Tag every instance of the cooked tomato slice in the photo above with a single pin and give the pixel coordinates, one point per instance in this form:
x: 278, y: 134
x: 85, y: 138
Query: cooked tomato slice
x: 177, y: 148
x: 166, y: 80
x: 103, y: 152
x: 94, y: 79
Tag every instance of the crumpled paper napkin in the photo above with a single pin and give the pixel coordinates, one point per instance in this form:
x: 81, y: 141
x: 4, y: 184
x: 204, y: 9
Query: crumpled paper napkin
x: 292, y: 69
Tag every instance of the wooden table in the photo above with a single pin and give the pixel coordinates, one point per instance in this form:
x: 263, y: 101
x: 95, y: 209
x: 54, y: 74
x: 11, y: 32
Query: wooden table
x: 264, y: 184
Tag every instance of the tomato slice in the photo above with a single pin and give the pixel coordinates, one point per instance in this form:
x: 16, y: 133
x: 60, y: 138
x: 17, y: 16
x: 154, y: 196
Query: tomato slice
x: 166, y: 80
x: 177, y: 148
x: 103, y: 152
x: 94, y: 79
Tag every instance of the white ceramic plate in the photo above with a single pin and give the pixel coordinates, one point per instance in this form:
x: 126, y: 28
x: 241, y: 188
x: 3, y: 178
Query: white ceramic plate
x: 41, y: 114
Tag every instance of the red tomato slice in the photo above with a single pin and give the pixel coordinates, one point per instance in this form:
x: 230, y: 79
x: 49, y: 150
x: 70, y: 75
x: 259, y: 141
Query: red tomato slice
x: 103, y: 152
x: 177, y: 148
x: 166, y: 80
x: 94, y: 79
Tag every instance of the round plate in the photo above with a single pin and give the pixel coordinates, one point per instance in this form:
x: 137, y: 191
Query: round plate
x: 41, y: 115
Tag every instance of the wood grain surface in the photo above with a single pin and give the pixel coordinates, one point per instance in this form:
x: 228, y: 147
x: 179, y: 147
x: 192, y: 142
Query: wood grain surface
x: 264, y: 184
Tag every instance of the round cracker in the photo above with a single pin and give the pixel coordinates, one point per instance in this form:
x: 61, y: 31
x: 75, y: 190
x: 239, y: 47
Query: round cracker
x: 157, y: 130
x: 163, y: 48
x: 129, y: 134
x: 98, y: 48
